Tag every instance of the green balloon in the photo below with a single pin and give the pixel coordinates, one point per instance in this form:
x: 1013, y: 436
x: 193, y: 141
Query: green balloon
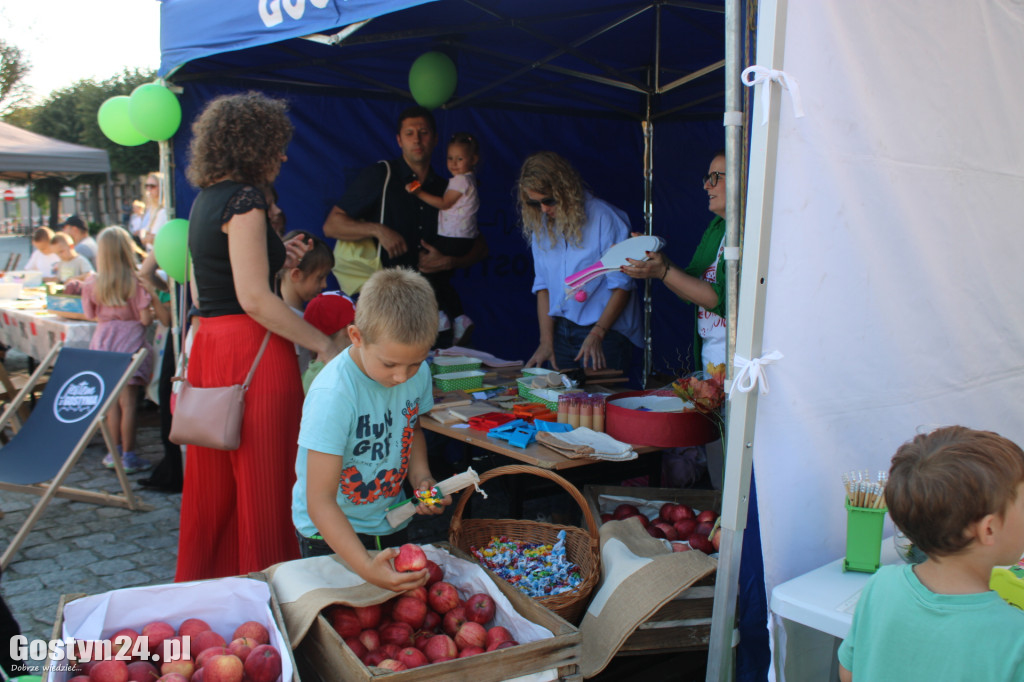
x: 154, y: 111
x: 117, y: 125
x: 170, y: 248
x: 432, y: 79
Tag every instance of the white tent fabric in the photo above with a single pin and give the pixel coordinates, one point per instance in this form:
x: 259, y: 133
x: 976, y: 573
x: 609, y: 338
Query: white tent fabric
x: 896, y: 257
x: 23, y: 153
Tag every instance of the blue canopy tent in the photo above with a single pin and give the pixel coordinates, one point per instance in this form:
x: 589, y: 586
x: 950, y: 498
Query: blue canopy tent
x: 624, y: 89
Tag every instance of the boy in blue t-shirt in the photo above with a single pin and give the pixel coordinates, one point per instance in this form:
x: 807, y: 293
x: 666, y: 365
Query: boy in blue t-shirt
x: 958, y: 495
x: 360, y: 436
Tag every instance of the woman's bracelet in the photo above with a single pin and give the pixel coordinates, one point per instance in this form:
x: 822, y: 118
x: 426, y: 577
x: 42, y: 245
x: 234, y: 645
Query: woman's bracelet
x: 667, y: 268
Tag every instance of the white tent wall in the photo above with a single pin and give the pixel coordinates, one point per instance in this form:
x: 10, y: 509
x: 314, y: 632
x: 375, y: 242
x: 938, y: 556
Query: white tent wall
x: 896, y: 251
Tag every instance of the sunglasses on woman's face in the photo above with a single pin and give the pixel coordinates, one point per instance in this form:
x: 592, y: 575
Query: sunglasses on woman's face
x: 149, y: 186
x: 712, y: 178
x: 535, y: 203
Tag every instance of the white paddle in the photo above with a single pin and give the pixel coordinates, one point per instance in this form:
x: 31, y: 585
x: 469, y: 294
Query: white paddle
x: 615, y: 258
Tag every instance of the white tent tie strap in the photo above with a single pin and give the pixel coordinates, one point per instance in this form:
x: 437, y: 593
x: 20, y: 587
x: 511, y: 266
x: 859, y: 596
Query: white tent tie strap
x: 764, y: 76
x: 750, y: 373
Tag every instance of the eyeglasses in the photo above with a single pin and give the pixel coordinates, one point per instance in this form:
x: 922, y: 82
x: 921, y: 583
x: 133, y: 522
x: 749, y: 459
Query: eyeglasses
x: 547, y: 201
x: 712, y: 178
x: 148, y: 186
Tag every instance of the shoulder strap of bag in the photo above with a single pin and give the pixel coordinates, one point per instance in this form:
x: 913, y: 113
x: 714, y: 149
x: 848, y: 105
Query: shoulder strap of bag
x: 383, y: 199
x: 252, y: 370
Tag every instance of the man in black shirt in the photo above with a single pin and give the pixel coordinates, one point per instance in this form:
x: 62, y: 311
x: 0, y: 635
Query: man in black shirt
x: 410, y: 225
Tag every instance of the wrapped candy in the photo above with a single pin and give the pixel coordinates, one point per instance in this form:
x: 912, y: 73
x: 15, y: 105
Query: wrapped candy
x: 535, y: 569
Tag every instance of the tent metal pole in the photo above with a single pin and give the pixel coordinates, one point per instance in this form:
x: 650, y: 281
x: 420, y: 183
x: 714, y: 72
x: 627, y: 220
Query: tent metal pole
x: 742, y: 407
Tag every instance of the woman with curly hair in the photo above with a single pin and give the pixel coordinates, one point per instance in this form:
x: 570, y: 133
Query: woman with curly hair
x: 568, y: 229
x: 236, y: 506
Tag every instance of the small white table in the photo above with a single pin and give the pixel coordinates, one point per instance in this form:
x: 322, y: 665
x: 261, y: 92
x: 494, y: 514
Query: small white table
x: 29, y: 327
x: 813, y: 613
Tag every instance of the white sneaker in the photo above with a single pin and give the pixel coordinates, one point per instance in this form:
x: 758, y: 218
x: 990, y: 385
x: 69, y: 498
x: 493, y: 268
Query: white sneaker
x: 461, y: 326
x: 443, y: 323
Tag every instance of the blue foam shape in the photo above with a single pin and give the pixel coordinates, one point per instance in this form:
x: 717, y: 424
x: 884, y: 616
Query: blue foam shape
x: 551, y: 427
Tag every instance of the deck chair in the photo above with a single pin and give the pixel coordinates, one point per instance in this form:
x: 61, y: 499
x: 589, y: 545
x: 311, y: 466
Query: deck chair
x: 12, y: 262
x: 83, y: 386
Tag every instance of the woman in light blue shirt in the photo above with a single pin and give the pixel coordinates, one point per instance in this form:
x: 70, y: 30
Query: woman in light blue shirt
x: 568, y: 230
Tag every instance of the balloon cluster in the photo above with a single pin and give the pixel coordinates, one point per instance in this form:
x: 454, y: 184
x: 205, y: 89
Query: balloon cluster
x: 151, y: 113
x: 432, y: 79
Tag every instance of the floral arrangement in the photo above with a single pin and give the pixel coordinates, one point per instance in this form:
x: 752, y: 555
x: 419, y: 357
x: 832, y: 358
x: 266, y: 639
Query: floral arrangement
x: 706, y: 394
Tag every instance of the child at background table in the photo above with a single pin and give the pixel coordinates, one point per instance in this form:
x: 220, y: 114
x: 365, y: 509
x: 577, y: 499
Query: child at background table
x: 331, y: 312
x: 71, y: 265
x: 43, y: 258
x: 958, y: 495
x: 456, y: 225
x: 301, y: 284
x: 360, y: 427
x: 123, y: 309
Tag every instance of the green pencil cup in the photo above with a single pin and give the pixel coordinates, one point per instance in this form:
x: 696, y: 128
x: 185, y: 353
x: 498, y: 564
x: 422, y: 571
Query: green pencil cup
x: 863, y: 538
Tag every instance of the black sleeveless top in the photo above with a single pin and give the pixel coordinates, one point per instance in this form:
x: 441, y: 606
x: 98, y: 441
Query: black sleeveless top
x: 208, y: 245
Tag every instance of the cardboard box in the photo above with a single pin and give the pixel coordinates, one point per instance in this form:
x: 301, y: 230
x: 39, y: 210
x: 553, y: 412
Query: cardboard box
x: 322, y: 655
x: 224, y: 603
x: 683, y: 624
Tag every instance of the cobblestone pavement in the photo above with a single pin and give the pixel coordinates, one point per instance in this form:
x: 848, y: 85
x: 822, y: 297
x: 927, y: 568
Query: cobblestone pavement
x: 78, y: 547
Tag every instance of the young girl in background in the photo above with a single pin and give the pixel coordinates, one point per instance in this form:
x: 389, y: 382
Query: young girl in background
x: 123, y: 309
x: 301, y: 284
x: 456, y: 225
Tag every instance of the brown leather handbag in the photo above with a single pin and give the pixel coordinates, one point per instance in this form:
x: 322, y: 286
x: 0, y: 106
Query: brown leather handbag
x: 211, y: 417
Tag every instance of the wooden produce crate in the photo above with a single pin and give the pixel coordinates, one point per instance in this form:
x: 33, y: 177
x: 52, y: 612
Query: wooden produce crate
x: 683, y: 624
x: 323, y: 655
x: 161, y: 602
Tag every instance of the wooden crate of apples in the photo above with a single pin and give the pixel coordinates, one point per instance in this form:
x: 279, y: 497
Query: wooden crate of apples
x: 442, y: 629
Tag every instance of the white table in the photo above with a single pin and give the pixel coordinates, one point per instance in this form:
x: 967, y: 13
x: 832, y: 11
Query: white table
x: 812, y: 614
x: 29, y: 327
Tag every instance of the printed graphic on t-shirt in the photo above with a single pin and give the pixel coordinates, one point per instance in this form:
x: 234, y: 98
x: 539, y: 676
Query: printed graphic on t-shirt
x: 372, y: 450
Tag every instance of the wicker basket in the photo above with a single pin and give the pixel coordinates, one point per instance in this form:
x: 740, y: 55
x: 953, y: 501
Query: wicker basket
x: 583, y: 547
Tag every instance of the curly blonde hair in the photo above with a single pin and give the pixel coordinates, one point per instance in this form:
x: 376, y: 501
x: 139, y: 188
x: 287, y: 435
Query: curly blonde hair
x: 239, y: 137
x: 116, y: 265
x: 549, y: 174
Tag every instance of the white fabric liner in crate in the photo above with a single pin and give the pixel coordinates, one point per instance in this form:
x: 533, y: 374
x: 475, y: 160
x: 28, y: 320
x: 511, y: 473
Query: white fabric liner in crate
x: 653, y: 403
x: 224, y: 604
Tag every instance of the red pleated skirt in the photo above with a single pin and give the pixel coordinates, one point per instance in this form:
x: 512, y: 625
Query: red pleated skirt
x: 236, y: 506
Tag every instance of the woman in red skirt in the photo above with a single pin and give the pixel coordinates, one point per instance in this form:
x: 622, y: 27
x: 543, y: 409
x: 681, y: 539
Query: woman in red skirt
x: 236, y: 506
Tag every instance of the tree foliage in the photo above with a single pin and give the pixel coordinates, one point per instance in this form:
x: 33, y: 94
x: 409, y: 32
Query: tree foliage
x: 13, y: 69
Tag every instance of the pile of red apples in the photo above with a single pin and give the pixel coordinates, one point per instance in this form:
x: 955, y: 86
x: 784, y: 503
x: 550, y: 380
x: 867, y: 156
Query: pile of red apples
x: 677, y: 523
x: 423, y: 626
x: 249, y: 655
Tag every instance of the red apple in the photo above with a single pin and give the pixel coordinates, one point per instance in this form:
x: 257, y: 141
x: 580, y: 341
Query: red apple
x: 605, y: 518
x: 418, y: 593
x: 453, y: 620
x: 174, y: 677
x: 198, y: 676
x: 443, y: 597
x: 155, y: 634
x: 391, y: 650
x: 431, y: 621
x: 368, y: 616
x: 242, y: 646
x: 685, y: 528
x: 667, y: 512
x: 123, y: 642
x: 682, y: 512
x: 203, y: 657
x: 480, y: 608
x: 680, y: 547
x: 370, y: 639
x: 412, y: 657
x: 184, y: 668
x: 375, y: 657
x: 701, y: 542
x: 343, y: 620
x: 668, y: 530
x: 470, y: 651
x: 263, y: 664
x: 656, y: 532
x: 707, y: 516
x: 409, y: 610
x: 392, y: 665
x: 625, y: 510
x: 498, y: 634
x: 396, y: 633
x: 175, y: 652
x: 190, y: 627
x: 410, y: 559
x: 471, y: 634
x: 419, y: 638
x: 205, y: 640
x: 142, y: 671
x: 357, y: 647
x: 223, y: 669
x: 501, y: 645
x: 436, y: 574
x: 440, y: 648
x: 252, y: 629
x: 704, y: 528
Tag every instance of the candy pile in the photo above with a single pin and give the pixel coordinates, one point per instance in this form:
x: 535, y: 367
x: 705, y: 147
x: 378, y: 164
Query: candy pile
x: 431, y: 498
x: 536, y: 570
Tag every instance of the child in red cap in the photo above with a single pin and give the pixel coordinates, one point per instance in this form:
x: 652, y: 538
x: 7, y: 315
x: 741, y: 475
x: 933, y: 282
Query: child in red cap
x: 331, y: 312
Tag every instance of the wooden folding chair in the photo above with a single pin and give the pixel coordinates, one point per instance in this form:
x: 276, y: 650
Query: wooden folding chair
x: 12, y: 262
x: 83, y: 386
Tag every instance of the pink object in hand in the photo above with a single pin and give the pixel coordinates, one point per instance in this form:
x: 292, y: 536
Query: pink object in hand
x: 581, y: 295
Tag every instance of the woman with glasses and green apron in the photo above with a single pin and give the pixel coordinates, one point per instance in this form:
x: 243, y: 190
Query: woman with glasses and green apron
x: 702, y: 282
x: 568, y: 230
